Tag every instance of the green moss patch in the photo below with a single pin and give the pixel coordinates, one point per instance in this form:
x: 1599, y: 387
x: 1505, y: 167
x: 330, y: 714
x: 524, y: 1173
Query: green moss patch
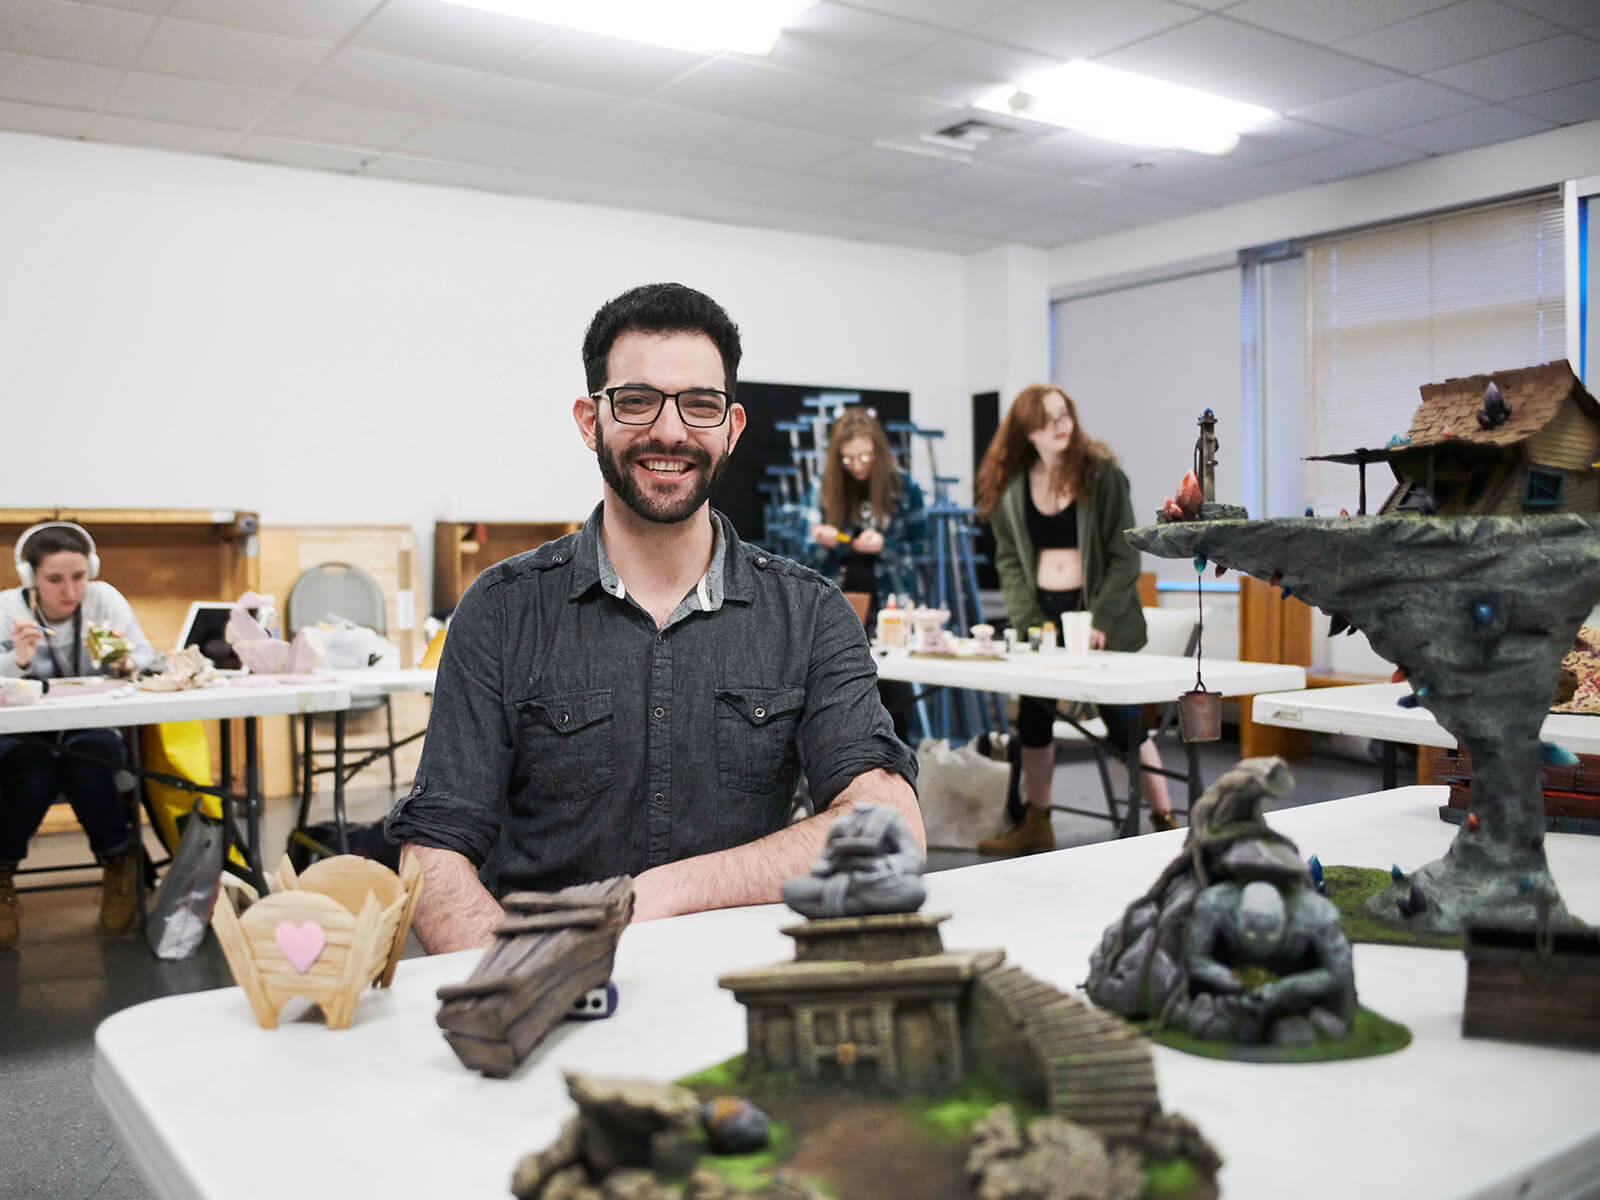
x: 1370, y: 1035
x: 1172, y: 1177
x: 748, y: 1172
x: 952, y: 1114
x: 1351, y: 887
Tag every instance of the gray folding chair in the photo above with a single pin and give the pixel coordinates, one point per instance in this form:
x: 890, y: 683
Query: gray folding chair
x: 339, y: 590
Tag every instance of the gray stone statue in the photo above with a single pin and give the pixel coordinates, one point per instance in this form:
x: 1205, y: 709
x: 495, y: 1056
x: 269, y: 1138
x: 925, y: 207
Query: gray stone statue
x: 870, y: 864
x: 1233, y: 943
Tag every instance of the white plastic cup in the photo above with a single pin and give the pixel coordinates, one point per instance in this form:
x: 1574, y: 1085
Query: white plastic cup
x: 1075, y: 628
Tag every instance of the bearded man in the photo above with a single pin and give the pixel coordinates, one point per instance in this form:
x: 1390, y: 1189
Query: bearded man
x: 639, y: 697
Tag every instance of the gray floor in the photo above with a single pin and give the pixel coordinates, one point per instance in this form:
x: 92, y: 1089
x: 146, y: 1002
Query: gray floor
x: 64, y: 978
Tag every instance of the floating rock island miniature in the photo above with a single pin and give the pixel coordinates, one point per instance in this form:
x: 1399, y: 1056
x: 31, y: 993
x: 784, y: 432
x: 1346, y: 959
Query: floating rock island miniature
x: 883, y: 1058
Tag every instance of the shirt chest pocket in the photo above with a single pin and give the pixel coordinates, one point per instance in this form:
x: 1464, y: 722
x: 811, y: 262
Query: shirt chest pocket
x: 565, y: 743
x: 755, y: 735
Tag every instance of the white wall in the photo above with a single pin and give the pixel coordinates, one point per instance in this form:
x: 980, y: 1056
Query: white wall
x: 206, y: 333
x: 1142, y: 363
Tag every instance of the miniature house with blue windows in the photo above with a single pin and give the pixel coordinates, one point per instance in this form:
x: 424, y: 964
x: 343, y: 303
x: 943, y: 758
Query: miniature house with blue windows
x: 1511, y: 442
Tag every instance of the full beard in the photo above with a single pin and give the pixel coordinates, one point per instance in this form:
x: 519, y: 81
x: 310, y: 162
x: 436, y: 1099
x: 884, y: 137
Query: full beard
x: 618, y: 474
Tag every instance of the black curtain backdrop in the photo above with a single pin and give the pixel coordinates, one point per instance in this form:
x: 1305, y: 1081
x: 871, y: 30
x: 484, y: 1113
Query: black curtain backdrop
x: 985, y: 420
x: 763, y: 444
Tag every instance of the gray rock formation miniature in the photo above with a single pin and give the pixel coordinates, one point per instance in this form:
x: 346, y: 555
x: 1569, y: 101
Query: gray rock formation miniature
x: 1055, y: 1160
x: 1233, y: 943
x: 626, y: 1127
x: 1478, y: 611
x: 870, y: 864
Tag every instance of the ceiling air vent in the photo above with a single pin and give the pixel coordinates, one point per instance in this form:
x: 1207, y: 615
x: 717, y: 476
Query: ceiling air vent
x: 957, y: 141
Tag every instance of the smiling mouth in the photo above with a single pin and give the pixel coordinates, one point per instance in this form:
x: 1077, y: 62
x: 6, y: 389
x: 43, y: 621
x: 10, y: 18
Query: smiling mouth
x: 665, y: 466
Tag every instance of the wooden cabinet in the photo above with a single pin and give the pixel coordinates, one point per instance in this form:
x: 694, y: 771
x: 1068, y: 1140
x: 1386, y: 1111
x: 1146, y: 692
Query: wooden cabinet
x: 1272, y: 629
x: 461, y: 549
x: 160, y: 559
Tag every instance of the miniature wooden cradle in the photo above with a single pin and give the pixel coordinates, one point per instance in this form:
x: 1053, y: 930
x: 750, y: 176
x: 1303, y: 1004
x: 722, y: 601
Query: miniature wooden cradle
x: 325, y: 934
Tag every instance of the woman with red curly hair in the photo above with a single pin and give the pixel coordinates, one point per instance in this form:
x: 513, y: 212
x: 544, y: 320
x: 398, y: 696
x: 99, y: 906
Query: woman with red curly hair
x: 1058, y: 504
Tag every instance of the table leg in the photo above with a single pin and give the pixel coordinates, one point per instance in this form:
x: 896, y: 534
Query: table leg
x: 338, y: 782
x: 1130, y: 819
x: 305, y: 771
x: 140, y: 878
x: 252, y: 800
x: 1391, y: 765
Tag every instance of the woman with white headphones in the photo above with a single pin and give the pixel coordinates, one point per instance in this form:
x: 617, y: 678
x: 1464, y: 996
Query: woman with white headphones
x: 44, y: 634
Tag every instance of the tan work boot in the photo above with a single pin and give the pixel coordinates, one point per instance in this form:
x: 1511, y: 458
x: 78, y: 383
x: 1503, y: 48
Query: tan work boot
x: 10, y: 908
x: 1161, y: 820
x: 1030, y: 837
x: 118, y: 900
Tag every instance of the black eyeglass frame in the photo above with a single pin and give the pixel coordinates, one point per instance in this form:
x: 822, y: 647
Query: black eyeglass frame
x: 610, y: 394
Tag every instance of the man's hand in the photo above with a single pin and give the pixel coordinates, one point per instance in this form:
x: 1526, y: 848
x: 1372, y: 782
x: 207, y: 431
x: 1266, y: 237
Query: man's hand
x: 1097, y: 639
x: 825, y: 535
x: 455, y: 912
x: 25, y: 639
x: 868, y: 541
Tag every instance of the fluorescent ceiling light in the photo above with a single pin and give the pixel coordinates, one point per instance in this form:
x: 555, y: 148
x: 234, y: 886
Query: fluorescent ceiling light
x: 1120, y: 106
x: 701, y: 26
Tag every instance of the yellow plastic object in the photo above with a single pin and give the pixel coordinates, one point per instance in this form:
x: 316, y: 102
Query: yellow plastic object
x: 430, y: 656
x: 178, y: 748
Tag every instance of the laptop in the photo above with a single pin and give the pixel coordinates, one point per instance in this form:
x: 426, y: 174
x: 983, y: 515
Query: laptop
x: 206, y: 621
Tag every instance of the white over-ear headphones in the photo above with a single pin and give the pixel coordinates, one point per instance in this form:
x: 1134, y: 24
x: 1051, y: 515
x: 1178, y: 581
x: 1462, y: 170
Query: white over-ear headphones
x: 25, y: 569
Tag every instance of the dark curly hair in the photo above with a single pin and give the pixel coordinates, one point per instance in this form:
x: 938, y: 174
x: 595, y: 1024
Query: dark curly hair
x: 660, y: 308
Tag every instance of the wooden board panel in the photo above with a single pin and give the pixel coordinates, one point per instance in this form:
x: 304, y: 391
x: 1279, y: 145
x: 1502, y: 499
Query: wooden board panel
x: 462, y: 549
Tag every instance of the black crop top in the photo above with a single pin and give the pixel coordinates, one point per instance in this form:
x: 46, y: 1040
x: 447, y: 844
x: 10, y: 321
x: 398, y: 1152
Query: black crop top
x: 1056, y: 532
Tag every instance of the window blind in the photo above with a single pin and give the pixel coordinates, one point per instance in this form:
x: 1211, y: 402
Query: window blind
x: 1391, y: 309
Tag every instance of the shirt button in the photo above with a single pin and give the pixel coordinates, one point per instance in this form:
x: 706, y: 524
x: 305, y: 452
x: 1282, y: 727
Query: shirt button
x: 760, y: 712
x: 565, y: 718
x: 659, y: 797
x: 660, y: 712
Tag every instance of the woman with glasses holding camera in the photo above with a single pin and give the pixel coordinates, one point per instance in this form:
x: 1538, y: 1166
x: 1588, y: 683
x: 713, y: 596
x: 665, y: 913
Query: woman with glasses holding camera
x: 1058, y: 504
x: 868, y: 522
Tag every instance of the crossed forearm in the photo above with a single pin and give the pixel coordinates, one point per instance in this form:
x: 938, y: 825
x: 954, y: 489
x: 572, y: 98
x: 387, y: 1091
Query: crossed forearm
x: 455, y: 911
x: 754, y: 873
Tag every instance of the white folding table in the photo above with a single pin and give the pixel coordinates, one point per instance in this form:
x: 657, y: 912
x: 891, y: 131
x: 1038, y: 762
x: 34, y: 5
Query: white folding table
x: 1101, y: 677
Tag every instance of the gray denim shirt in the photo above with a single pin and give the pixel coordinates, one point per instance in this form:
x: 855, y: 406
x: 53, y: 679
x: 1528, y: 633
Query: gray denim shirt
x: 572, y: 740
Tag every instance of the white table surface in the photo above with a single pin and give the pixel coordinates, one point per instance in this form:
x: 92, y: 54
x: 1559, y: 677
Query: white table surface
x: 1370, y: 710
x: 210, y: 1105
x: 1100, y: 677
x: 386, y: 681
x: 100, y: 710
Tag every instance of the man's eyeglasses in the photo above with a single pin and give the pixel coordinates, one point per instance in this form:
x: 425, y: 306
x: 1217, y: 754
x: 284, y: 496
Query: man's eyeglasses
x: 634, y: 404
x: 851, y: 459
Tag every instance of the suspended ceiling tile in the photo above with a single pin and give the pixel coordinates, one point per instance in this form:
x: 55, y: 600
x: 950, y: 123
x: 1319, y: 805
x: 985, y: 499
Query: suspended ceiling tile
x: 1280, y: 139
x: 1064, y: 153
x: 878, y: 167
x: 365, y: 77
x: 478, y: 142
x: 188, y: 101
x: 1308, y: 78
x: 760, y: 186
x: 987, y: 183
x: 1479, y: 127
x: 161, y: 135
x: 1350, y: 159
x: 756, y: 92
x: 865, y: 113
x: 1567, y: 106
x: 31, y: 79
x: 197, y: 50
x: 575, y: 59
x: 1408, y: 102
x: 1323, y: 22
x: 1127, y: 208
x: 936, y: 239
x: 40, y: 118
x: 1057, y: 230
x: 81, y: 32
x: 946, y: 14
x: 307, y: 118
x: 958, y: 70
x: 1083, y: 30
x: 420, y: 169
x: 1237, y: 186
x: 1207, y: 54
x: 449, y: 33
x: 317, y: 20
x: 1573, y: 14
x: 531, y: 104
x: 913, y: 207
x: 1536, y: 67
x: 667, y: 129
x: 834, y: 39
x: 1446, y: 37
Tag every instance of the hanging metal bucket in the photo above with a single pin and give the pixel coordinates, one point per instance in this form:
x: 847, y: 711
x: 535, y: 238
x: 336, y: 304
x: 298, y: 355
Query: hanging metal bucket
x: 1200, y: 716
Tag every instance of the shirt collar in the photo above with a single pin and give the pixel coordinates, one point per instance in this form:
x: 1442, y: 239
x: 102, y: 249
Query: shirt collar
x: 596, y: 567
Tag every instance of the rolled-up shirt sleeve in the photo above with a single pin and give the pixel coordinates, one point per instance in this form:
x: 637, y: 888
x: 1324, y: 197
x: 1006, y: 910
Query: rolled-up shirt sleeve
x: 460, y: 791
x: 845, y: 731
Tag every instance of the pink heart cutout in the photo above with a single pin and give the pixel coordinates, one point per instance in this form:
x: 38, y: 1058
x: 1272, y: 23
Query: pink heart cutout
x: 301, y: 944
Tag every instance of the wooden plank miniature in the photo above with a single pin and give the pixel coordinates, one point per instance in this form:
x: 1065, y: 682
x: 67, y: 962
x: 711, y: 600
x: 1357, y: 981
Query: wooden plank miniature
x: 324, y: 935
x: 1531, y: 985
x: 552, y: 948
